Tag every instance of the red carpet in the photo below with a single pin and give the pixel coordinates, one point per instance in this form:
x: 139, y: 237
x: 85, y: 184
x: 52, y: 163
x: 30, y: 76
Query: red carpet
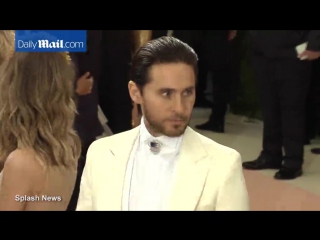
x: 267, y: 194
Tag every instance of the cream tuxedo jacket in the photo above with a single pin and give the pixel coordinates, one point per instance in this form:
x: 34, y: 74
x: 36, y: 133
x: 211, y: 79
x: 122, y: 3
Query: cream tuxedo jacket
x: 208, y: 175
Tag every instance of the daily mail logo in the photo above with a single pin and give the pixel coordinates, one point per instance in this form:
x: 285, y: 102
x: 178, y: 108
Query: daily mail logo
x: 47, y: 44
x: 50, y: 40
x: 41, y: 44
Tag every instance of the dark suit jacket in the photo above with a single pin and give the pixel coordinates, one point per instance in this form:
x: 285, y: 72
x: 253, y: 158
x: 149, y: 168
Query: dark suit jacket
x: 114, y: 96
x: 113, y: 87
x: 215, y: 48
x: 282, y: 43
x: 315, y: 84
x: 87, y: 123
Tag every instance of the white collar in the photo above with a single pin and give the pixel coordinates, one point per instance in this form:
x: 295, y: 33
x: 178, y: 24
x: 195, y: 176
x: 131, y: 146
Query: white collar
x: 171, y: 142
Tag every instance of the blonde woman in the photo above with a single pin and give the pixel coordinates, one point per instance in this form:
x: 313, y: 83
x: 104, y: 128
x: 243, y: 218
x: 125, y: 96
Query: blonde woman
x: 6, y: 48
x: 38, y: 145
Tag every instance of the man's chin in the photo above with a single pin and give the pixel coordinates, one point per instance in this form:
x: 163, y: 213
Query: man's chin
x: 173, y: 132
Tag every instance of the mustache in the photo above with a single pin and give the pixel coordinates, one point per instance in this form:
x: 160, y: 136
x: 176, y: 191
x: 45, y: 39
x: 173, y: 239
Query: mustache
x: 178, y: 117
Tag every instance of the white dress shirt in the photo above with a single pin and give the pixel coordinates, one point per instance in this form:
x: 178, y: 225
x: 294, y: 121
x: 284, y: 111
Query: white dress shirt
x: 149, y: 176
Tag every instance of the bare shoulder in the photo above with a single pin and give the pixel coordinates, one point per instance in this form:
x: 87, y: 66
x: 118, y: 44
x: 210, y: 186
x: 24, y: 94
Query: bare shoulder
x: 23, y: 162
x: 20, y: 159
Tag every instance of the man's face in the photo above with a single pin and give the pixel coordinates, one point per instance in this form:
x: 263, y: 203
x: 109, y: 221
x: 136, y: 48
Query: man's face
x: 167, y: 100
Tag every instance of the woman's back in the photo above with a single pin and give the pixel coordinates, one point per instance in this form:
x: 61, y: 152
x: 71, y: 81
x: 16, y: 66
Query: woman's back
x: 56, y: 193
x: 32, y: 186
x: 38, y: 145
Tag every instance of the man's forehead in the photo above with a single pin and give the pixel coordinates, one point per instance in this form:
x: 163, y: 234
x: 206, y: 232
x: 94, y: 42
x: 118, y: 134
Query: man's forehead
x: 172, y: 75
x: 168, y: 67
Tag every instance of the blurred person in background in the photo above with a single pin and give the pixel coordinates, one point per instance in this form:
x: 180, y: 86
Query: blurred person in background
x: 201, y: 100
x: 38, y: 144
x: 283, y: 76
x: 88, y: 71
x: 312, y: 103
x: 313, y: 110
x: 87, y: 124
x: 216, y: 58
x: 114, y: 98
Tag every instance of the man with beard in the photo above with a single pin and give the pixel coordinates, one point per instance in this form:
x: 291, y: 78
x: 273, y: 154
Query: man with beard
x: 163, y: 164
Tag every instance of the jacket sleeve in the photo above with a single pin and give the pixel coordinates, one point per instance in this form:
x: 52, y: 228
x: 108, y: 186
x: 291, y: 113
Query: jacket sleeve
x: 314, y: 40
x: 85, y: 195
x: 233, y: 195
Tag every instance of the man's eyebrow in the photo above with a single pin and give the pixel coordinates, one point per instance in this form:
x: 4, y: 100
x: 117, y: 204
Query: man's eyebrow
x: 166, y: 90
x: 173, y: 90
x: 190, y: 88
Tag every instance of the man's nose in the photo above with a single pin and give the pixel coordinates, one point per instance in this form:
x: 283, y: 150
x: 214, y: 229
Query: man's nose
x: 178, y: 105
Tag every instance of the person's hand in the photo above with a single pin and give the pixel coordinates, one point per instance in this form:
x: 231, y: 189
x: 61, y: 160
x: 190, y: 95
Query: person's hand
x: 309, y: 55
x: 232, y: 34
x: 84, y: 84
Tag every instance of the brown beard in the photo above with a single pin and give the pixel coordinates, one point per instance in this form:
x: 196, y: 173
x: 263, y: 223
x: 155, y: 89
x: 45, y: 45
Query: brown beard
x: 157, y: 128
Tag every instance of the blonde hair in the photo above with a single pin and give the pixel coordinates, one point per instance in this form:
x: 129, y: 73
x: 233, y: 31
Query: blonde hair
x: 6, y: 44
x: 36, y: 107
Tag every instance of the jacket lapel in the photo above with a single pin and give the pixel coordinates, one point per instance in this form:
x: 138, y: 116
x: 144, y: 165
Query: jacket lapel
x: 190, y: 174
x: 189, y: 179
x: 115, y: 169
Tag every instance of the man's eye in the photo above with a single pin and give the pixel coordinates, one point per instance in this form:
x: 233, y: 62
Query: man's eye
x: 187, y: 93
x: 166, y: 94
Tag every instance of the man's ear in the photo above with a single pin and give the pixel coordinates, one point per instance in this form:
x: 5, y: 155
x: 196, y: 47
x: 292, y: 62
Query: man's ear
x: 134, y: 92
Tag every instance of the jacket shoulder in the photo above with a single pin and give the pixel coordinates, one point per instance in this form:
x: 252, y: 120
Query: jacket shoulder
x: 220, y: 154
x: 213, y: 147
x: 108, y: 141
